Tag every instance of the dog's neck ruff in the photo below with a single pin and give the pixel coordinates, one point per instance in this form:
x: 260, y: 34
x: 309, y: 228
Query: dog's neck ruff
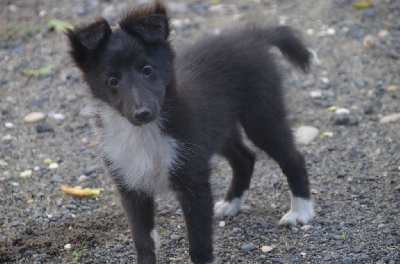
x: 141, y: 155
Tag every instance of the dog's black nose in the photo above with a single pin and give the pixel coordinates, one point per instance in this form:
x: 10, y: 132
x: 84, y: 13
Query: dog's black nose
x: 143, y: 114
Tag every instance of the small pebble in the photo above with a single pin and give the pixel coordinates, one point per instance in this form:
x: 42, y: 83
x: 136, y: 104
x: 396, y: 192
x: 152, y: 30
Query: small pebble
x: 325, y: 80
x: 306, y: 227
x: 221, y: 224
x: 56, y: 179
x: 9, y: 125
x: 248, y: 247
x: 266, y: 249
x: 369, y: 41
x: 7, y: 138
x: 389, y: 118
x: 383, y: 33
x: 306, y: 134
x: 175, y: 237
x: 361, y: 83
x: 67, y: 246
x: 47, y: 161
x: 341, y: 119
x: 393, y: 87
x: 58, y: 117
x: 82, y: 178
x: 368, y: 109
x: 327, y: 134
x: 34, y: 117
x: 330, y: 31
x: 342, y: 111
x: 26, y: 173
x: 42, y: 128
x: 316, y: 94
x: 53, y: 166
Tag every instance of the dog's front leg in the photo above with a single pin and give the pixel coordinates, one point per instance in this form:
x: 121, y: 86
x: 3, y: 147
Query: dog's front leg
x: 139, y: 210
x: 197, y: 204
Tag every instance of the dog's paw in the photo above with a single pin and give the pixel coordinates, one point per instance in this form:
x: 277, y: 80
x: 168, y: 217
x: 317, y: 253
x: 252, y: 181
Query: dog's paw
x: 224, y: 208
x: 301, y: 212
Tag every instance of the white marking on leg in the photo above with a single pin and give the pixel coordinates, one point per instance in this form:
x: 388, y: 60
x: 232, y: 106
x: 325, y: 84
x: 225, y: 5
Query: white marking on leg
x: 154, y: 236
x: 314, y: 56
x: 224, y: 208
x: 301, y: 211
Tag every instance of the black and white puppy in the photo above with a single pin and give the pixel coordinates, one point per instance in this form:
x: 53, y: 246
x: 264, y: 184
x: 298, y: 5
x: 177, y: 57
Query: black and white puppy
x: 161, y: 116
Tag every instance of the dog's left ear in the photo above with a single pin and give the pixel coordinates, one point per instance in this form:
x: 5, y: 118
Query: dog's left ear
x: 150, y: 23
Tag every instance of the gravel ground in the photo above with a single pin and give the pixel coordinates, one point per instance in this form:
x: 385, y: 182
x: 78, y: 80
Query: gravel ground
x: 351, y: 97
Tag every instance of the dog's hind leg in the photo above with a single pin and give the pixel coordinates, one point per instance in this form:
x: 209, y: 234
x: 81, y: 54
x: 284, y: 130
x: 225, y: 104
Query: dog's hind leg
x: 241, y: 159
x: 273, y: 135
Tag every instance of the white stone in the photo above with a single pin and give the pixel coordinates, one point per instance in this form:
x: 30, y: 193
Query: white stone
x: 383, y: 33
x: 266, y: 249
x: 34, y: 117
x: 58, y: 116
x: 82, y: 178
x: 9, y: 125
x: 221, y: 224
x: 325, y: 80
x: 310, y: 31
x: 26, y: 173
x: 316, y: 94
x: 342, y: 111
x: 53, y: 166
x: 369, y: 41
x: 390, y: 118
x: 306, y: 227
x: 7, y: 138
x: 306, y: 134
x: 67, y: 246
x: 330, y: 31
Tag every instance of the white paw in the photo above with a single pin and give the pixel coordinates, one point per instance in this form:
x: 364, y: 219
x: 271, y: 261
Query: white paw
x: 301, y: 211
x: 223, y: 208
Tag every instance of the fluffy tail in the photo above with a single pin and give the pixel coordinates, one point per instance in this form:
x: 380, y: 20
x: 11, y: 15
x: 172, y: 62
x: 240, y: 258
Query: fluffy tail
x: 291, y: 46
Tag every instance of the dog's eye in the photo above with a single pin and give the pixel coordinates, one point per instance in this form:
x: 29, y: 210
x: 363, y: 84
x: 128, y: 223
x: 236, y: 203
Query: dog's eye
x: 113, y: 82
x: 147, y: 70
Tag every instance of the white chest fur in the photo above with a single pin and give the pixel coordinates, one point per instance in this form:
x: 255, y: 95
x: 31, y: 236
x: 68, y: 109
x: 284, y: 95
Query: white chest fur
x: 142, y: 154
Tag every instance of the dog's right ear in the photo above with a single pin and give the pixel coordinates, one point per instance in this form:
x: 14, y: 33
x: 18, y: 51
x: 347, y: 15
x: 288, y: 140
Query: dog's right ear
x: 85, y: 39
x: 150, y: 23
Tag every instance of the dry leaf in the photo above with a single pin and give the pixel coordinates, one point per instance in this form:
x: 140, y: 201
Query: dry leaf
x: 78, y: 191
x: 57, y: 25
x: 362, y: 4
x: 38, y: 73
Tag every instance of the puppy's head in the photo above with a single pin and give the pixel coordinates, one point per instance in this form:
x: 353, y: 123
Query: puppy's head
x: 129, y: 67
